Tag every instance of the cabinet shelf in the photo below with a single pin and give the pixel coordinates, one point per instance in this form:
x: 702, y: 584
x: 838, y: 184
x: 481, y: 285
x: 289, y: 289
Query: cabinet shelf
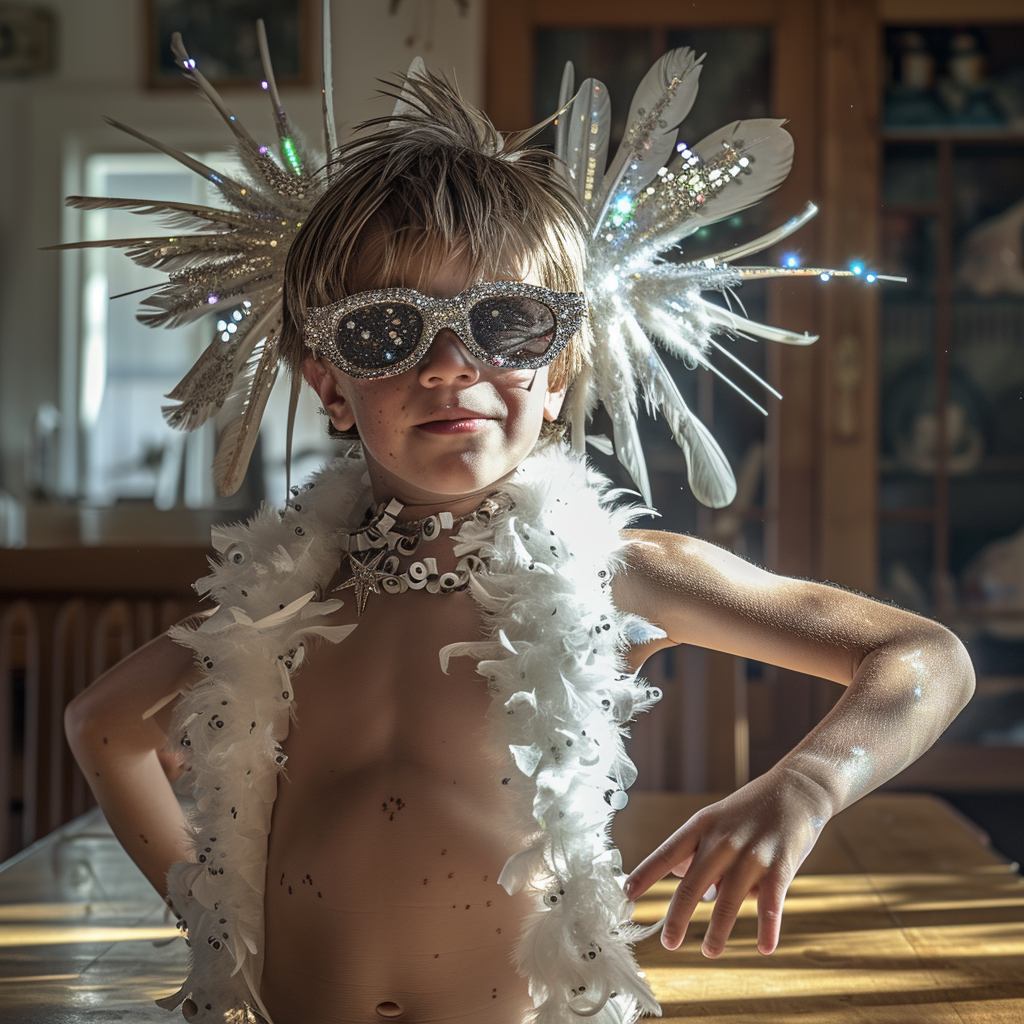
x: 994, y: 464
x: 950, y: 382
x: 929, y: 134
x: 912, y: 209
x: 907, y: 515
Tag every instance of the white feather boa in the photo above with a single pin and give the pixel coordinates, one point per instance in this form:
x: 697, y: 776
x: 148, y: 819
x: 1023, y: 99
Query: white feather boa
x: 562, y: 696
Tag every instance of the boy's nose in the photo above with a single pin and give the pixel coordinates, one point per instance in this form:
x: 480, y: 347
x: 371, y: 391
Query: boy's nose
x: 448, y: 361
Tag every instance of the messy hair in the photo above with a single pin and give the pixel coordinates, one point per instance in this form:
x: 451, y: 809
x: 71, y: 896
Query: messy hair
x: 434, y: 181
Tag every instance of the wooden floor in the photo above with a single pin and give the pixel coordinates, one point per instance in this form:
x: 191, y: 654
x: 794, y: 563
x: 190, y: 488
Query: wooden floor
x: 899, y: 915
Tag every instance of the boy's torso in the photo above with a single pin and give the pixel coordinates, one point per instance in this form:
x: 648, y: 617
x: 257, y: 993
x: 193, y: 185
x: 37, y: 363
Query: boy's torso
x: 390, y: 829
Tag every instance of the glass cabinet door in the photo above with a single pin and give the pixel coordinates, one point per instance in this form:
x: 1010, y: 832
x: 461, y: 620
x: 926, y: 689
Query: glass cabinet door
x: 951, y: 516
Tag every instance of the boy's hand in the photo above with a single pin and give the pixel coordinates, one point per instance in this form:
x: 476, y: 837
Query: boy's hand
x: 752, y: 842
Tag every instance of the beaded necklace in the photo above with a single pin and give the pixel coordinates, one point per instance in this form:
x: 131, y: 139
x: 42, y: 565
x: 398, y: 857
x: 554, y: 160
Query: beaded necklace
x: 375, y: 551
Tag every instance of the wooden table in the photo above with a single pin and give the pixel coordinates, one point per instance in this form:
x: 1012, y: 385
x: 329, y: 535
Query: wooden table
x: 898, y: 915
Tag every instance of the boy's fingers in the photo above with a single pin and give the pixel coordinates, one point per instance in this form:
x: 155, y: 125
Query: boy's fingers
x: 770, y: 899
x: 678, y: 849
x: 689, y: 892
x: 723, y: 918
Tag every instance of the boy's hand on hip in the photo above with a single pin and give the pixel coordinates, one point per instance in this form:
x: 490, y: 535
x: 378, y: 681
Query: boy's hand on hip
x: 752, y: 842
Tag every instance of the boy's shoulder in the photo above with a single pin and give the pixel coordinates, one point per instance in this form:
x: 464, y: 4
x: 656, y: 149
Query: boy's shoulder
x: 662, y: 570
x: 653, y: 552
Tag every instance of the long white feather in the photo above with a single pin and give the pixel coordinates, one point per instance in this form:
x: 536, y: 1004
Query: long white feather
x: 327, y: 84
x: 561, y: 124
x: 710, y: 476
x: 766, y: 241
x: 661, y: 101
x: 742, y: 325
x: 589, y: 130
x: 767, y: 145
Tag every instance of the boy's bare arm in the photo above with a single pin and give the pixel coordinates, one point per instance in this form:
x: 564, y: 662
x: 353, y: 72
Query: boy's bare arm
x: 906, y: 678
x: 116, y: 748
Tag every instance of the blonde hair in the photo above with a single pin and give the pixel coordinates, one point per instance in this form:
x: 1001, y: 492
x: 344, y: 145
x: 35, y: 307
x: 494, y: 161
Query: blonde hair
x: 434, y: 181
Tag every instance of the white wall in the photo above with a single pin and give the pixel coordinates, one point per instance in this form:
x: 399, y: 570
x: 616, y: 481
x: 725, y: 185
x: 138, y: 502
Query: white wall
x: 49, y: 121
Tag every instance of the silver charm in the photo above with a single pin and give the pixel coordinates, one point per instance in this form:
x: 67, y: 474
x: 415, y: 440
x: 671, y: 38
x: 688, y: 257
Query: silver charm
x: 366, y: 577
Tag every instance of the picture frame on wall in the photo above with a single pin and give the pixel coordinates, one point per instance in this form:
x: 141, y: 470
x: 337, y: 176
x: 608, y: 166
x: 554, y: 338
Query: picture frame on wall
x: 221, y: 38
x: 26, y: 41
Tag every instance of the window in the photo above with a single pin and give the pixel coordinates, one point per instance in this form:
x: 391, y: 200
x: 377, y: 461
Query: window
x: 126, y: 368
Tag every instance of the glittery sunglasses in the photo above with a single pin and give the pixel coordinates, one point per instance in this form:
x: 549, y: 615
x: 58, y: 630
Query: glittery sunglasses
x: 502, y: 323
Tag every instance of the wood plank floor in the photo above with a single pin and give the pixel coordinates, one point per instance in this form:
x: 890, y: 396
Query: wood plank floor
x: 899, y: 916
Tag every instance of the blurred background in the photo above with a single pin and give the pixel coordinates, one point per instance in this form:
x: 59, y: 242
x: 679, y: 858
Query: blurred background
x: 894, y: 465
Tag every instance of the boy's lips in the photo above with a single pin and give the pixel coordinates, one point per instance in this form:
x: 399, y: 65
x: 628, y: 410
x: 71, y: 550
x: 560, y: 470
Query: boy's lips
x: 454, y: 421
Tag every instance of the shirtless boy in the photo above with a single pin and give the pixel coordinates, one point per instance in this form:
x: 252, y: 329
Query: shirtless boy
x: 395, y: 816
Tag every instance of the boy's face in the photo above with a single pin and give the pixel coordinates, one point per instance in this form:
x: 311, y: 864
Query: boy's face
x: 451, y: 427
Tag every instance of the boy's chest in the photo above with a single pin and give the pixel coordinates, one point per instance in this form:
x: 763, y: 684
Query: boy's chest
x: 380, y: 698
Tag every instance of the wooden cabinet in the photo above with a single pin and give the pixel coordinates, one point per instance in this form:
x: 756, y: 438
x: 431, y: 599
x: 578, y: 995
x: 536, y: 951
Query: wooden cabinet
x: 951, y: 366
x: 834, y: 502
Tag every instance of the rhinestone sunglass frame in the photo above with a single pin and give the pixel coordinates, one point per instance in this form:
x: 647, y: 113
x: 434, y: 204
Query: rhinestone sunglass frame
x: 383, y: 326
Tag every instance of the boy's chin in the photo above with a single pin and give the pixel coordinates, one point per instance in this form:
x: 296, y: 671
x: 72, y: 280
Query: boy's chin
x: 465, y: 480
x: 447, y: 483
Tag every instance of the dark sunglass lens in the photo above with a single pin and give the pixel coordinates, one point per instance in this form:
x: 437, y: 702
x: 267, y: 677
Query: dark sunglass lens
x: 512, y: 326
x: 378, y: 336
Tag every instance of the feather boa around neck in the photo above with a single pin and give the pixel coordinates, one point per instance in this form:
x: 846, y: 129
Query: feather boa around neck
x: 561, y: 699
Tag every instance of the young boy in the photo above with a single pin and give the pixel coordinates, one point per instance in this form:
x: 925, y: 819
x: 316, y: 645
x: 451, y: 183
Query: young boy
x: 433, y: 303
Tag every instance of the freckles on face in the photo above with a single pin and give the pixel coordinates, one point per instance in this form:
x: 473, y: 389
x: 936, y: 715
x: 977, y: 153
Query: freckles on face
x: 390, y: 413
x: 451, y: 424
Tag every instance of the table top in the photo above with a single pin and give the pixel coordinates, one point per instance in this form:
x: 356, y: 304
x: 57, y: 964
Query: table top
x: 898, y: 915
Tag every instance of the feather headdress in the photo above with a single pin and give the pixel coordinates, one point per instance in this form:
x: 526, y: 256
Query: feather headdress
x: 653, y: 194
x: 230, y: 258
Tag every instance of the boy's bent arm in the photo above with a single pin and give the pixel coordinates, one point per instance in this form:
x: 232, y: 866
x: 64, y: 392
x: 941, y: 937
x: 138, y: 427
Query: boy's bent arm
x: 906, y: 678
x: 116, y: 748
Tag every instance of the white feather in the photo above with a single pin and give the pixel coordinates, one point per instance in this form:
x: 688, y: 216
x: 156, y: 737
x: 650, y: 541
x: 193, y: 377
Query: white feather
x: 589, y: 131
x: 767, y: 145
x: 661, y: 101
x: 710, y: 476
x: 562, y: 124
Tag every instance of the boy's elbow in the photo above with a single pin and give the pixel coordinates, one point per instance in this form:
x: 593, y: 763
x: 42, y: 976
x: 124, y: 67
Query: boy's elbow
x: 954, y: 665
x: 966, y: 674
x: 85, y: 719
x: 77, y: 718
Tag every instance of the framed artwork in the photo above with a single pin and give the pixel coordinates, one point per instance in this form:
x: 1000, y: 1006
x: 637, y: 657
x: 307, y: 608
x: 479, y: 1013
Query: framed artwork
x: 26, y: 41
x: 221, y: 38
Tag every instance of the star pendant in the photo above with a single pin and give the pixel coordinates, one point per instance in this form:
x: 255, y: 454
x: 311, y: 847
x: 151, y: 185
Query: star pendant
x: 366, y: 576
